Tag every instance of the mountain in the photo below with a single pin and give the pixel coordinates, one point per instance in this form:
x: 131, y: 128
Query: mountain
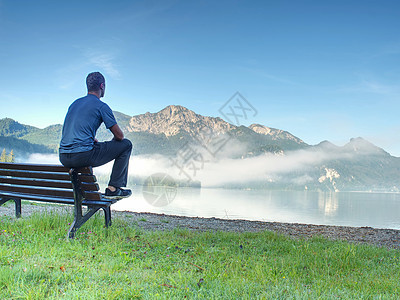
x: 175, y: 119
x: 172, y: 127
x: 166, y: 132
x: 327, y: 146
x: 257, y: 137
x: 276, y: 134
x: 358, y: 165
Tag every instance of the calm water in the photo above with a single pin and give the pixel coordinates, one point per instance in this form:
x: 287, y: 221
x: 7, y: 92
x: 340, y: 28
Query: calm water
x: 379, y: 210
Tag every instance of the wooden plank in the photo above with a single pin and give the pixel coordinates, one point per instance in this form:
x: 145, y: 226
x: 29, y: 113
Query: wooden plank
x: 89, y: 187
x: 37, y: 191
x: 92, y: 196
x: 47, y: 192
x: 37, y: 182
x: 33, y: 174
x: 42, y: 168
x: 12, y: 195
x: 33, y: 167
x: 45, y: 175
x: 48, y: 183
x: 87, y: 178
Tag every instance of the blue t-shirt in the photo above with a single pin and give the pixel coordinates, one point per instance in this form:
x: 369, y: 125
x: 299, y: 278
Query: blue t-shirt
x: 83, y: 118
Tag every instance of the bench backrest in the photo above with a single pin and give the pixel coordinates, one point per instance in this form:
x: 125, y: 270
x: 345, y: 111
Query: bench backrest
x: 46, y: 180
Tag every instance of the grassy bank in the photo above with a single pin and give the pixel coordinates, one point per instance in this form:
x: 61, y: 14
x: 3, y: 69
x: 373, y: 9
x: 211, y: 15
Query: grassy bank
x: 124, y: 262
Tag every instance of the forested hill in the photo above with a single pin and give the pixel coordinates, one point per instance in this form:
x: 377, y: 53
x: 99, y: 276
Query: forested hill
x: 25, y: 139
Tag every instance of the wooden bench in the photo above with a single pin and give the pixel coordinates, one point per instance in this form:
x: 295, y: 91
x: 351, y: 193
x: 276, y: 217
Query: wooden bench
x: 54, y: 184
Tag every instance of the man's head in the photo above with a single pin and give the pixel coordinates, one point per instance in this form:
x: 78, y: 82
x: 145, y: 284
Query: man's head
x: 96, y: 84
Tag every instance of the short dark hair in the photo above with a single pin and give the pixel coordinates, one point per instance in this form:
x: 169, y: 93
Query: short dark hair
x: 94, y: 80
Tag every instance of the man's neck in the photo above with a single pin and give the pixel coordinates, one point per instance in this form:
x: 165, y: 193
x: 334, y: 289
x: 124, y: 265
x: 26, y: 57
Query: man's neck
x: 97, y: 94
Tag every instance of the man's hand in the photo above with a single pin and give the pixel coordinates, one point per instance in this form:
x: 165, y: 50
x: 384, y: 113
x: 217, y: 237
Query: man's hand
x: 117, y: 132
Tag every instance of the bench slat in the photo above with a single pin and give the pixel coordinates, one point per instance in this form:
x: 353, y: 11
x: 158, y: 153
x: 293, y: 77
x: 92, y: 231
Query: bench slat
x: 45, y: 175
x: 33, y: 167
x: 47, y: 192
x: 9, y: 195
x: 41, y: 167
x: 48, y: 183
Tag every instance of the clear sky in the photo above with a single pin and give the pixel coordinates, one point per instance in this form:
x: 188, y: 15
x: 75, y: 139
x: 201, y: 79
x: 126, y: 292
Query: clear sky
x: 322, y: 70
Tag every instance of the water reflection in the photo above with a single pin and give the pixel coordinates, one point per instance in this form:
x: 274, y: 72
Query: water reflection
x: 328, y: 203
x: 379, y: 210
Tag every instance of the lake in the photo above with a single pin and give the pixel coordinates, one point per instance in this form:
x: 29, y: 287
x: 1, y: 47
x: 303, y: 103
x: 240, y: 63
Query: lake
x: 378, y: 210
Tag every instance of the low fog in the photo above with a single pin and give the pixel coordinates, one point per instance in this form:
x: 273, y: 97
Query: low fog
x: 213, y: 173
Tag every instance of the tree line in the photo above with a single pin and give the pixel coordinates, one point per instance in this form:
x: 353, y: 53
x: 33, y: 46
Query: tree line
x: 7, y: 157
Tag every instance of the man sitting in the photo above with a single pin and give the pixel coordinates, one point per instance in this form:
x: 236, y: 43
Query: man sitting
x: 80, y: 148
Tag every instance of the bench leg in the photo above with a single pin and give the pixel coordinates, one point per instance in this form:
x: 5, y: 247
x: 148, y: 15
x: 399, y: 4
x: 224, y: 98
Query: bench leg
x: 3, y: 200
x: 80, y: 219
x: 17, y: 205
x: 17, y: 208
x: 107, y: 215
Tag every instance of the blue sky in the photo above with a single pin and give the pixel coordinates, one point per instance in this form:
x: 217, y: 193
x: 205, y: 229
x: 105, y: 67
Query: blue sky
x: 322, y: 70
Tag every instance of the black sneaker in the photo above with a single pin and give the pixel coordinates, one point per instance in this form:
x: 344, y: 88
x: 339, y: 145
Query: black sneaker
x: 117, y: 194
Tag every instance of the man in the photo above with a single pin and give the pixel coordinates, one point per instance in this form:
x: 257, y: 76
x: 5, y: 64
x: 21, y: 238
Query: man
x: 80, y: 148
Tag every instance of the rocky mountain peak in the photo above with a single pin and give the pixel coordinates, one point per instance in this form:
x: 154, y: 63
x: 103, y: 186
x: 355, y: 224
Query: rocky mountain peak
x: 175, y: 109
x: 260, y: 129
x: 174, y: 119
x: 275, y: 134
x: 179, y: 113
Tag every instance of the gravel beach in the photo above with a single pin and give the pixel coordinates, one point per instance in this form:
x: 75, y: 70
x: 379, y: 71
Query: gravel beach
x: 389, y: 238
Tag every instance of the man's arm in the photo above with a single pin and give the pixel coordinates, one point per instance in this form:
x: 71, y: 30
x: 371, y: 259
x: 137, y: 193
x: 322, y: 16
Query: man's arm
x: 117, y: 132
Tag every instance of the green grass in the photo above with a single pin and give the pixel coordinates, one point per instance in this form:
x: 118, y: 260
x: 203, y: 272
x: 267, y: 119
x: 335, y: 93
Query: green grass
x: 125, y: 262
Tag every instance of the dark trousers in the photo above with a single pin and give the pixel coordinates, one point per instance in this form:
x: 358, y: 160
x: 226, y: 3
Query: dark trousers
x: 101, y: 154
